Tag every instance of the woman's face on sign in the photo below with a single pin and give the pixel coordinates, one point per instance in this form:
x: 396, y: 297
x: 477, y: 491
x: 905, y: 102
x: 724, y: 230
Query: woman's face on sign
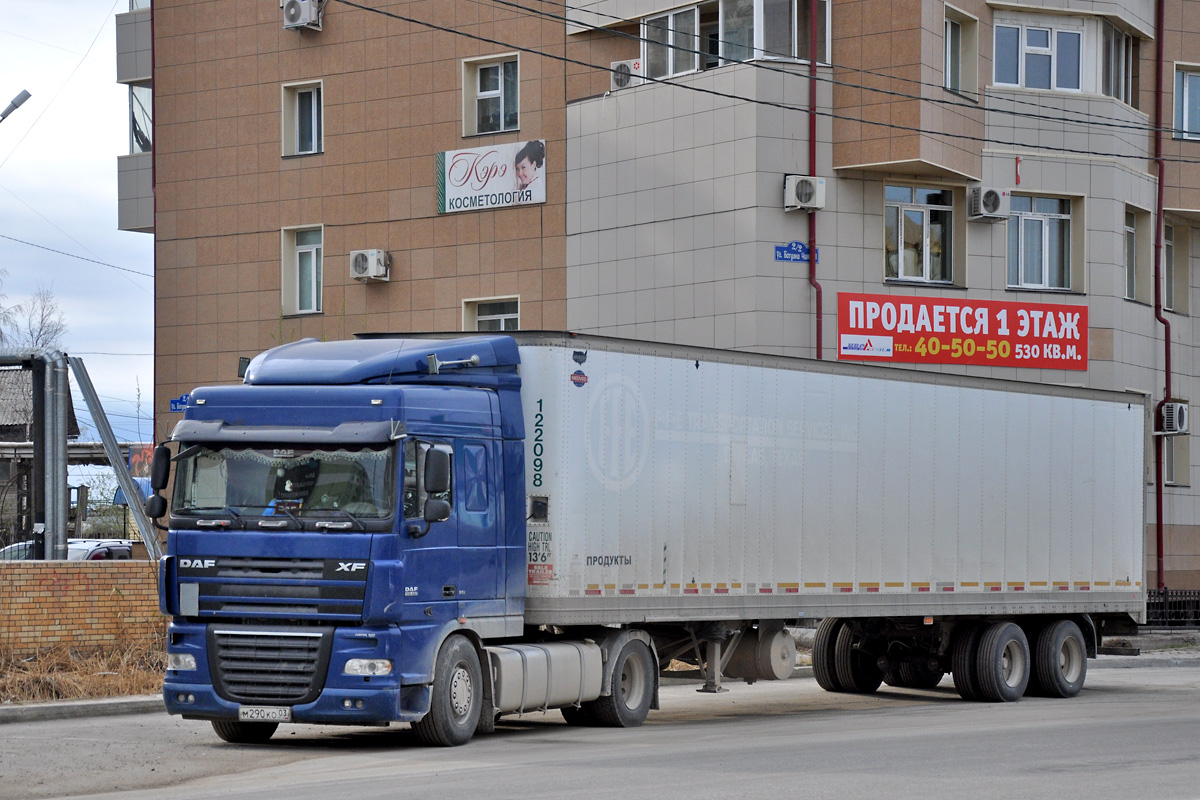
x: 526, y: 171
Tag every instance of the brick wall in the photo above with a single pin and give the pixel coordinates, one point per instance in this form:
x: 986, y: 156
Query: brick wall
x: 83, y: 604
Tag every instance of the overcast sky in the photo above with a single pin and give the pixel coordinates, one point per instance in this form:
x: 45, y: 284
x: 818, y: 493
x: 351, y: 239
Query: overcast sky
x: 58, y: 190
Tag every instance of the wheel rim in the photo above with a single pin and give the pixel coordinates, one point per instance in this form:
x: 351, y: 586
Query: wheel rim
x: 460, y: 691
x: 1013, y: 664
x: 1070, y: 660
x: 633, y: 681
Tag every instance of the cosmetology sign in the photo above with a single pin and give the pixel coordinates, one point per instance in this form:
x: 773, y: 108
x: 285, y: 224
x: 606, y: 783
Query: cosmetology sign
x: 497, y: 176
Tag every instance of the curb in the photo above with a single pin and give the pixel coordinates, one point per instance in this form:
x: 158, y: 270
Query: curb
x: 74, y: 709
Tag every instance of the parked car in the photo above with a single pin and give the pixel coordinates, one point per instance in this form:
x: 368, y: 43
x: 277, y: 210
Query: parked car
x: 20, y: 551
x: 99, y: 549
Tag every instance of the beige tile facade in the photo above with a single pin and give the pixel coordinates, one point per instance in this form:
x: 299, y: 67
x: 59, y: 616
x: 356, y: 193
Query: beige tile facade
x: 663, y: 201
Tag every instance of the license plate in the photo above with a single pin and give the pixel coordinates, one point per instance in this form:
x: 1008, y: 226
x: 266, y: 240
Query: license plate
x: 264, y: 714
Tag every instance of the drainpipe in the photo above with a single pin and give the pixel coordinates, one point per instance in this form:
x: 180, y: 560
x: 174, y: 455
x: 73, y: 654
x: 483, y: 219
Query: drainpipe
x: 62, y: 396
x: 1158, y: 310
x: 49, y: 495
x: 37, y: 481
x: 812, y: 167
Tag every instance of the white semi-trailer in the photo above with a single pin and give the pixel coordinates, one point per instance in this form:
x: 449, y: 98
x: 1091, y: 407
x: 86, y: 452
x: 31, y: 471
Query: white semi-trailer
x: 550, y: 520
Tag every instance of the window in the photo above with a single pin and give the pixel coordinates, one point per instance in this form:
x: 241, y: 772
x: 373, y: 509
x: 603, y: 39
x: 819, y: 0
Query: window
x: 1118, y: 63
x: 772, y: 29
x: 491, y: 95
x: 918, y: 233
x: 1039, y: 243
x: 1130, y: 256
x: 1187, y: 105
x: 498, y: 314
x: 1038, y: 57
x: 141, y: 118
x: 302, y: 119
x: 1168, y: 267
x: 302, y: 270
x: 960, y: 52
x: 670, y: 43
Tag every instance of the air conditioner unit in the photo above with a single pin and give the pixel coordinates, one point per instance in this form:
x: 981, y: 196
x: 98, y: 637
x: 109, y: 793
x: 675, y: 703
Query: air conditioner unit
x: 369, y: 265
x: 302, y: 14
x: 986, y: 203
x: 625, y: 74
x: 1174, y: 419
x: 803, y: 192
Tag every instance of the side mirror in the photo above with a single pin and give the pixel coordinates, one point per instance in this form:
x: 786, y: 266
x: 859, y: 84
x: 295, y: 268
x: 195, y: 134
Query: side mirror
x: 160, y: 468
x: 436, y: 510
x: 156, y: 506
x: 437, y: 472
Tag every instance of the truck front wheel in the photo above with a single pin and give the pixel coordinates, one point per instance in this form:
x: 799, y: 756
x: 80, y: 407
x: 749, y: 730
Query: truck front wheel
x: 632, y: 689
x: 457, y: 696
x: 238, y: 732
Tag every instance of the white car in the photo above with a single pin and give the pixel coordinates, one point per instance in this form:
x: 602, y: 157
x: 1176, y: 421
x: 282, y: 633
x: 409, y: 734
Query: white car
x: 99, y: 549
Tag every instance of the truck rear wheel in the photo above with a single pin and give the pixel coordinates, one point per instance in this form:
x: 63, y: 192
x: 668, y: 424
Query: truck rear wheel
x: 238, y: 732
x: 457, y: 696
x: 632, y: 690
x: 824, y: 654
x: 856, y: 669
x: 963, y: 658
x: 1003, y: 663
x: 1060, y: 659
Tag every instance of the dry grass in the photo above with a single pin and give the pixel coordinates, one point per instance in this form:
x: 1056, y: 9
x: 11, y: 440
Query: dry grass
x: 62, y: 673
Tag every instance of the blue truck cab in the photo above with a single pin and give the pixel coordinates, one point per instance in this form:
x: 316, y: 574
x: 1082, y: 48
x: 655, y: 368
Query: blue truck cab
x: 343, y: 525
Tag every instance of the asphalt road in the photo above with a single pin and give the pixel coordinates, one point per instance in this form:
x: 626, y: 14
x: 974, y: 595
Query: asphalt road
x: 1132, y: 733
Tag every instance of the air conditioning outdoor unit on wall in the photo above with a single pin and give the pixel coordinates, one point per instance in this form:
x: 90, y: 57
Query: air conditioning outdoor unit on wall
x: 369, y: 265
x: 803, y: 192
x: 625, y: 74
x: 302, y: 14
x: 987, y: 203
x: 1174, y: 419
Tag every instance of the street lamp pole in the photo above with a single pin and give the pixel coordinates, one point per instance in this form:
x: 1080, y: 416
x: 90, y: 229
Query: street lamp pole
x: 15, y: 104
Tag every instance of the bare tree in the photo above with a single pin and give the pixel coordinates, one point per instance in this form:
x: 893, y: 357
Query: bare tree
x: 37, y: 323
x: 8, y: 315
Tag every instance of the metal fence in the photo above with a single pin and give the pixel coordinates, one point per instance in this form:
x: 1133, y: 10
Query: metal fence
x: 1173, y: 608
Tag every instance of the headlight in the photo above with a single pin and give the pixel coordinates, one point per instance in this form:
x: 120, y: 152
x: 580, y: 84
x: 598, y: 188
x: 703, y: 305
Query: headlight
x: 181, y: 661
x: 368, y: 666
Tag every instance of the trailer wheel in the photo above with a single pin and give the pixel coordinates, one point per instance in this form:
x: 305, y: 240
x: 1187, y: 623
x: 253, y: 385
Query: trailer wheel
x: 238, y: 732
x: 824, y: 654
x: 920, y: 676
x: 962, y: 662
x: 457, y: 696
x: 856, y: 669
x: 632, y: 689
x: 1003, y: 663
x: 1060, y: 659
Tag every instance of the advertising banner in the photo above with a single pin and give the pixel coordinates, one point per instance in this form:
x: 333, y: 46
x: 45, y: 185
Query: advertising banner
x: 928, y: 330
x: 497, y: 176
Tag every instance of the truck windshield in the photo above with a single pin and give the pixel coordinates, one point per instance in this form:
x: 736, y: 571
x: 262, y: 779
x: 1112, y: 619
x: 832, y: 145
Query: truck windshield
x: 352, y: 482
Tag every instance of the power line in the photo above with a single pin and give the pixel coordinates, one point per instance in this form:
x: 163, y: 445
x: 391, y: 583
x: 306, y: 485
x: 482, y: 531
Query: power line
x: 81, y: 258
x: 767, y: 103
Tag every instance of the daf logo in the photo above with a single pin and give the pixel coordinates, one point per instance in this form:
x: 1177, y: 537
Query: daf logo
x: 197, y: 563
x: 351, y: 566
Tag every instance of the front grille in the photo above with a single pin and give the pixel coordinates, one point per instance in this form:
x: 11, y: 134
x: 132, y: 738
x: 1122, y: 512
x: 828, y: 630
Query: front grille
x: 277, y: 588
x: 269, y: 667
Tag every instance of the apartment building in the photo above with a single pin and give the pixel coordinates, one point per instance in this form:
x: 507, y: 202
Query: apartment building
x: 978, y: 182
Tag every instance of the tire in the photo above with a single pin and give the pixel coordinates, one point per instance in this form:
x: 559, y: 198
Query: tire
x: 962, y: 662
x: 457, y: 696
x: 824, y: 656
x: 1060, y: 659
x: 238, y: 732
x: 892, y: 677
x: 920, y: 676
x: 856, y: 669
x: 632, y: 689
x: 1003, y: 663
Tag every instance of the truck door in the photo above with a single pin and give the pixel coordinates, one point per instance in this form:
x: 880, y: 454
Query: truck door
x: 481, y: 588
x: 431, y: 557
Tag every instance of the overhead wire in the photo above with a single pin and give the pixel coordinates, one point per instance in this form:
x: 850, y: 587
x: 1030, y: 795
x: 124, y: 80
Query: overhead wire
x: 769, y: 103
